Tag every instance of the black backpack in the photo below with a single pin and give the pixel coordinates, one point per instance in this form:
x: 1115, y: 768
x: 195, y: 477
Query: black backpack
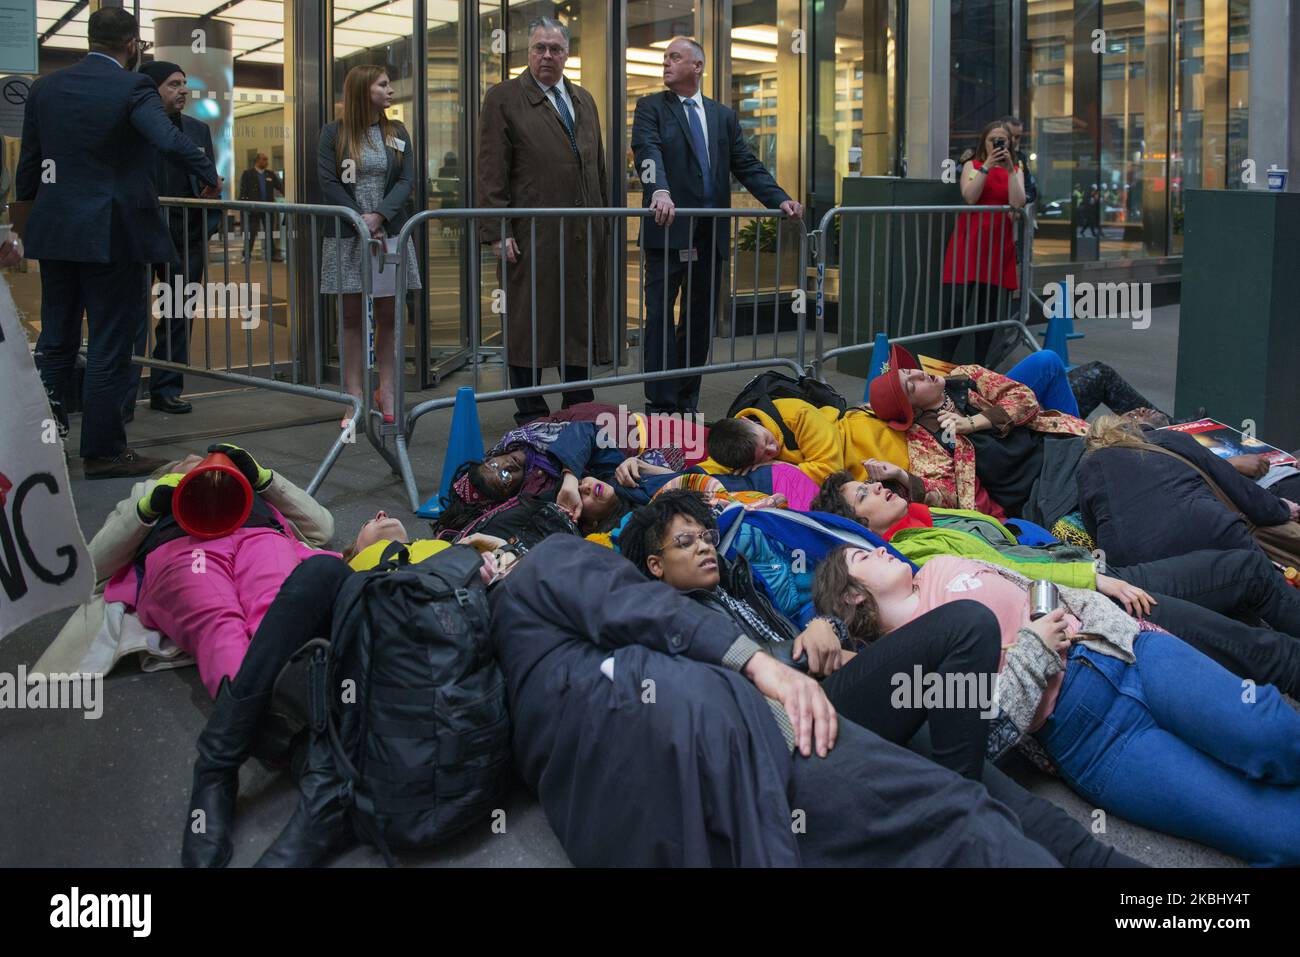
x: 421, y: 743
x: 766, y: 386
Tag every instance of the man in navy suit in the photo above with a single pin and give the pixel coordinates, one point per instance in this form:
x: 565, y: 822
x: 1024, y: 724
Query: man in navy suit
x: 687, y: 148
x: 88, y: 154
x: 190, y: 231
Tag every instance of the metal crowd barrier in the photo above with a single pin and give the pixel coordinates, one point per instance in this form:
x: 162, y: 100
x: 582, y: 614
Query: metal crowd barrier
x: 728, y: 351
x: 239, y: 299
x: 903, y: 250
x: 900, y: 247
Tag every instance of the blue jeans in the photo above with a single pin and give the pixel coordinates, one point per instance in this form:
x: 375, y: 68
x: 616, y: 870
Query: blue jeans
x: 1169, y: 743
x: 1045, y: 373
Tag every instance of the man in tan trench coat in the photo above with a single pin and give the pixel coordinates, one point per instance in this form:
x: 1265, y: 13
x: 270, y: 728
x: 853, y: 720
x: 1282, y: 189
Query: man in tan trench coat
x: 540, y: 146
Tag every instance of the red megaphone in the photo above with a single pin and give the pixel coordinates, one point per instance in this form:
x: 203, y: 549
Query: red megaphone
x: 213, y: 499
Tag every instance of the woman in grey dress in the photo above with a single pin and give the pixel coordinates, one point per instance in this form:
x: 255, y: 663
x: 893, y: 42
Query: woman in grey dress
x: 366, y: 162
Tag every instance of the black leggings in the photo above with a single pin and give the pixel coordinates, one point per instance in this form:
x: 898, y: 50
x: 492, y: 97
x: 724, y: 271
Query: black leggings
x: 1202, y: 595
x: 1095, y: 383
x: 959, y: 638
x: 303, y: 609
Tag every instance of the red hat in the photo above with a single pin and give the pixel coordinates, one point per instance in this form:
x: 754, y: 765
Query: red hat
x: 888, y: 399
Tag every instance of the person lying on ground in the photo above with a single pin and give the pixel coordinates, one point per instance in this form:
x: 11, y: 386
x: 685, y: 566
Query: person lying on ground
x: 672, y: 541
x: 1120, y: 708
x: 1141, y: 504
x: 978, y: 440
x: 1215, y: 600
x: 817, y: 440
x: 572, y: 462
x: 821, y: 440
x: 244, y: 719
x: 734, y: 747
x: 772, y: 478
x: 921, y: 532
x: 1083, y: 389
x: 150, y: 563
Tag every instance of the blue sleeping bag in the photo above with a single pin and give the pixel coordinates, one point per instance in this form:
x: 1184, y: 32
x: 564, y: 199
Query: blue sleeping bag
x: 799, y: 541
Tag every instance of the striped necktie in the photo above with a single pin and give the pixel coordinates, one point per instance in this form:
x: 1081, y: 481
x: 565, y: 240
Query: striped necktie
x: 565, y: 116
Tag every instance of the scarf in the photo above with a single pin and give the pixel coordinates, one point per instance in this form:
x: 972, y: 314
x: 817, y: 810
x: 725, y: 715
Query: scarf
x: 917, y: 516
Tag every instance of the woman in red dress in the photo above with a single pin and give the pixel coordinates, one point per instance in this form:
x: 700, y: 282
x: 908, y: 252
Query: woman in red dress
x: 979, y: 266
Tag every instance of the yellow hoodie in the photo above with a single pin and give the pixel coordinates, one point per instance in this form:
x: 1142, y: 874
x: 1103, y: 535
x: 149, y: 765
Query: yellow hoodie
x: 417, y: 551
x: 827, y: 441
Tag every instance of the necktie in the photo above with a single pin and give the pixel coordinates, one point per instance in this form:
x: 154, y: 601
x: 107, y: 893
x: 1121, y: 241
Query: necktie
x: 701, y: 146
x: 565, y: 116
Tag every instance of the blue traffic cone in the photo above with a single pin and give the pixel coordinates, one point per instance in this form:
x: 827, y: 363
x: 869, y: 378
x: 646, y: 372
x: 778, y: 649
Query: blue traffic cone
x: 464, y: 445
x: 879, y: 359
x: 1066, y: 311
x: 1057, y: 338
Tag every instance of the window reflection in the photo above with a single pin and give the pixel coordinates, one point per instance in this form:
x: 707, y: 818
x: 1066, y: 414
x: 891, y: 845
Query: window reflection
x: 1118, y: 194
x: 1049, y: 114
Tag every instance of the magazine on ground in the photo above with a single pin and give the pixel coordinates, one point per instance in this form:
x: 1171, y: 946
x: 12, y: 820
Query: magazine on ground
x: 1225, y: 441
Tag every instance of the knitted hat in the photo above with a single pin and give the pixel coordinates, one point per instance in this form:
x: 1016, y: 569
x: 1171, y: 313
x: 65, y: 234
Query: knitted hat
x: 160, y: 70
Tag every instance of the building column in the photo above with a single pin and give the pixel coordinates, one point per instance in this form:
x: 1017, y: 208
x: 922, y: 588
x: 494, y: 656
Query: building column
x: 929, y: 30
x: 309, y: 105
x: 1275, y: 91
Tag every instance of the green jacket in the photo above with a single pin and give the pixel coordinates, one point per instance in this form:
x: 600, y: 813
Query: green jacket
x: 970, y: 534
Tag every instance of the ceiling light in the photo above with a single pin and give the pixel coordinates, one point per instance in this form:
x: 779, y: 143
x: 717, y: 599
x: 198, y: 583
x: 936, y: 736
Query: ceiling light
x: 766, y: 35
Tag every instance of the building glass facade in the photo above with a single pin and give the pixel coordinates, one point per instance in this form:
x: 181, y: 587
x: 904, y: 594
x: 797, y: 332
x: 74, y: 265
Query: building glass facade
x: 1126, y: 104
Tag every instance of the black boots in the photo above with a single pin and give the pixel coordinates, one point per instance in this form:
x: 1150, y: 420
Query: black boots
x: 223, y: 746
x: 319, y: 823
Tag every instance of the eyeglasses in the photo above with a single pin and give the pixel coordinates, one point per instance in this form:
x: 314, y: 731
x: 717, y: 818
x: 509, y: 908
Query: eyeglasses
x: 554, y: 49
x: 687, y: 540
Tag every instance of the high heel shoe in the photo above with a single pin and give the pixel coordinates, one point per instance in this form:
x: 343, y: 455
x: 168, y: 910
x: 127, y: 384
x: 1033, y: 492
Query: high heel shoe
x: 389, y: 418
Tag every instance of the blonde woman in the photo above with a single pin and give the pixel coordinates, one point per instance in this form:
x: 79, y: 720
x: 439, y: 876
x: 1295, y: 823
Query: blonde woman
x: 366, y: 162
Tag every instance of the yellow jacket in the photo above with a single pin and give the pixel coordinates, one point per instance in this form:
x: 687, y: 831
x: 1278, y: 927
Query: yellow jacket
x: 417, y: 551
x: 827, y: 441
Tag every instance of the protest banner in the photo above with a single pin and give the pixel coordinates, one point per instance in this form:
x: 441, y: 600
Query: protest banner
x: 44, y: 564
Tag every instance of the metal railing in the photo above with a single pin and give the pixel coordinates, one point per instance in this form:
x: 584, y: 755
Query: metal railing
x: 890, y: 277
x: 249, y: 300
x: 905, y: 294
x: 768, y: 292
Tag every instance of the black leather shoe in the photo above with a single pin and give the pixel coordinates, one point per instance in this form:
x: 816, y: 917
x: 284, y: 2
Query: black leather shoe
x: 127, y: 464
x: 165, y: 403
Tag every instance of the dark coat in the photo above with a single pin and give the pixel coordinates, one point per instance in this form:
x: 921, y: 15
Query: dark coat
x: 697, y: 777
x: 173, y: 179
x: 1143, y: 506
x: 397, y: 207
x: 251, y: 192
x: 661, y: 137
x: 99, y: 125
x: 525, y: 160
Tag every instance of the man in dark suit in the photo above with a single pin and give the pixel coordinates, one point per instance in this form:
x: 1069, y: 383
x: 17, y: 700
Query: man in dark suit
x: 190, y: 231
x: 87, y: 160
x: 258, y: 184
x: 687, y: 148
